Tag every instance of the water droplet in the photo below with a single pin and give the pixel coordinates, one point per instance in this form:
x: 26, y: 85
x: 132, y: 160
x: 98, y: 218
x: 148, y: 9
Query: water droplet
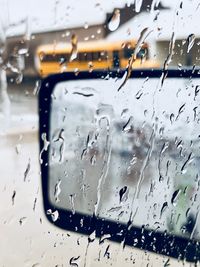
x: 36, y: 265
x: 181, y: 109
x: 37, y: 87
x: 76, y: 71
x: 169, y: 58
x: 188, y: 161
x: 57, y: 191
x: 92, y: 237
x: 114, y: 21
x: 197, y: 89
x: 34, y: 204
x: 90, y: 66
x: 171, y: 118
x: 22, y: 220
x: 167, y: 263
x: 13, y: 197
x: 138, y: 4
x: 135, y: 241
x: 74, y: 261
x: 187, y: 212
x: 71, y: 198
x: 195, y: 112
x: 19, y: 78
x: 143, y: 35
x: 175, y: 196
x: 27, y: 170
x: 124, y: 111
x: 98, y: 31
x: 115, y: 209
x: 164, y: 207
x: 93, y: 160
x: 83, y: 94
x: 179, y: 66
x: 107, y: 253
x: 86, y: 25
x: 129, y: 125
x: 45, y: 145
x: 41, y: 55
x: 122, y: 195
x: 74, y: 51
x: 103, y: 238
x: 190, y: 42
x: 139, y: 94
x: 54, y: 215
x: 18, y: 148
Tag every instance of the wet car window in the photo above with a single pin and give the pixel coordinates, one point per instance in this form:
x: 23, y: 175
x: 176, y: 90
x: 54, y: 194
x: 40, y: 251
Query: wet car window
x: 121, y: 149
x: 126, y: 149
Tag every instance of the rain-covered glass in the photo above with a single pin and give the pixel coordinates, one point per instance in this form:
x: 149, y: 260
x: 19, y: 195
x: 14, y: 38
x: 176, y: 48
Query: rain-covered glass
x: 124, y: 150
x: 128, y: 155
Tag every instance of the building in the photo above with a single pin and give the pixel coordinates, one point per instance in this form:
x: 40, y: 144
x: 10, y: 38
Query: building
x: 96, y: 29
x: 163, y: 20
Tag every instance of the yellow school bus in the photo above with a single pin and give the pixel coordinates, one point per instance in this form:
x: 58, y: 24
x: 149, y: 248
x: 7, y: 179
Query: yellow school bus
x: 94, y: 55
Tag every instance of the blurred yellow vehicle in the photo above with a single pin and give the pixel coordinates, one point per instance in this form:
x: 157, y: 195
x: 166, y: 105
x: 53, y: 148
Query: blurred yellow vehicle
x: 94, y: 55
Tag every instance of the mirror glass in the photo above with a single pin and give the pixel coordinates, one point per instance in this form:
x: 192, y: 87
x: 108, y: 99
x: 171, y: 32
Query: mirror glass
x: 130, y: 154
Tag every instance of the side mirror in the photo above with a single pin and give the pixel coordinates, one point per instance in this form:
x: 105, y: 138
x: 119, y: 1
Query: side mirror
x: 123, y: 163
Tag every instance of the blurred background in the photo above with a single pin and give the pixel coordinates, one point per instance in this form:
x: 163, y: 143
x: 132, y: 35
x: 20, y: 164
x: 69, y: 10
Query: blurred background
x: 25, y: 26
x: 29, y: 25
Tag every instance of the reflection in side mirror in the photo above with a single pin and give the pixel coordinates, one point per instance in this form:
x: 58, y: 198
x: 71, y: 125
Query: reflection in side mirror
x: 124, y: 162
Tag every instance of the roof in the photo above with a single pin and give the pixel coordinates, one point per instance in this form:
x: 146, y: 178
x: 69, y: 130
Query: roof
x: 84, y: 46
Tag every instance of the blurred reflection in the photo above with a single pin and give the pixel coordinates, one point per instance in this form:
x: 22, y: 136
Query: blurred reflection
x: 127, y: 155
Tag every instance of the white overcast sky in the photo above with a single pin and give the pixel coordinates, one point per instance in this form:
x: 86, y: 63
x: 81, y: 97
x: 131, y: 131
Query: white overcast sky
x: 53, y: 14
